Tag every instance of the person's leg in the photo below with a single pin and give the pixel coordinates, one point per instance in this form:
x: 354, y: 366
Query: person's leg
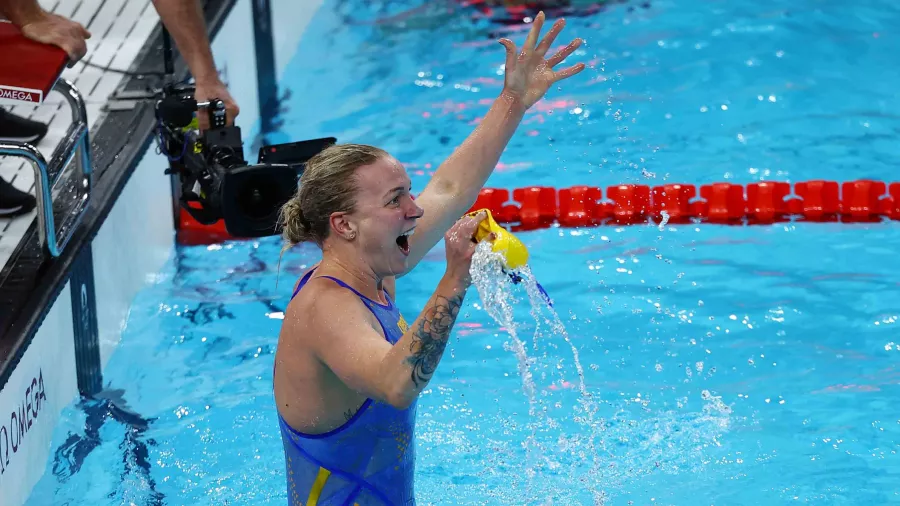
x: 15, y: 202
x: 19, y: 129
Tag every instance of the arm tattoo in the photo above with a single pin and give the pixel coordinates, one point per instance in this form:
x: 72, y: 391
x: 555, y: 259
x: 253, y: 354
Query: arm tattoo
x: 431, y: 337
x: 349, y: 414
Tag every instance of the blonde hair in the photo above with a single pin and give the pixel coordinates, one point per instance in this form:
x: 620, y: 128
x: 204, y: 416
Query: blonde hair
x: 328, y: 185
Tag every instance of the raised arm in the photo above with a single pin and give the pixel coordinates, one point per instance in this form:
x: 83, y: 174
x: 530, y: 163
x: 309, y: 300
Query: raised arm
x: 456, y: 183
x: 343, y: 339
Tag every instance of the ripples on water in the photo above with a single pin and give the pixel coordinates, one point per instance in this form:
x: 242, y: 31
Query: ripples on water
x: 680, y: 91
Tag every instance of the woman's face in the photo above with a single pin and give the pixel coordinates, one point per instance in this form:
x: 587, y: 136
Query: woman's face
x: 385, y: 216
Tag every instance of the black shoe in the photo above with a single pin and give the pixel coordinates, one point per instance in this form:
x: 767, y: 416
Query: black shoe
x: 19, y: 129
x: 14, y: 202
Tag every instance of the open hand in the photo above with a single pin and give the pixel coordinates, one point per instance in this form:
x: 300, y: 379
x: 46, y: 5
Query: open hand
x: 528, y: 73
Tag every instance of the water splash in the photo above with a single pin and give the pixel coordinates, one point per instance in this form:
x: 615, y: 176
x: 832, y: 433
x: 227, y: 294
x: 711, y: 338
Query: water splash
x: 664, y: 222
x: 495, y: 286
x: 599, y: 454
x: 490, y: 279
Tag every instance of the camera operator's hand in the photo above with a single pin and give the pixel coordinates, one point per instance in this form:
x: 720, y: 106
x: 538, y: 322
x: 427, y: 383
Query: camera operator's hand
x: 42, y: 26
x: 209, y: 89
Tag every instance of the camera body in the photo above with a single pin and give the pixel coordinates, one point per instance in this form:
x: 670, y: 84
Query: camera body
x: 214, y: 180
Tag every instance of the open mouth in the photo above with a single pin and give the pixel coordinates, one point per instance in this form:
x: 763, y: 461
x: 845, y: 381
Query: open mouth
x: 403, y: 242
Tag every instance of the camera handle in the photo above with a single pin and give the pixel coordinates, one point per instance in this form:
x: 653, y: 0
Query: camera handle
x: 215, y: 108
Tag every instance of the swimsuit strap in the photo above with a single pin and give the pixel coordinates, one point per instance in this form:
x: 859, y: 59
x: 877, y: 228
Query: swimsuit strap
x: 302, y: 282
x: 308, y: 275
x: 354, y: 290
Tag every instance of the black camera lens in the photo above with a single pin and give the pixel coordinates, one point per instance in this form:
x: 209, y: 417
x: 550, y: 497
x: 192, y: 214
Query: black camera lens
x: 258, y: 198
x: 252, y: 196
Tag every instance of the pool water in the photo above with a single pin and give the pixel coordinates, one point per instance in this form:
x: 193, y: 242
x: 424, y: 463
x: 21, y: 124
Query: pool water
x: 720, y: 365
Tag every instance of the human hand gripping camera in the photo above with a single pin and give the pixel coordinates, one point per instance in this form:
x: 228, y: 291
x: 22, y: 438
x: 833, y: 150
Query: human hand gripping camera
x: 216, y: 182
x: 206, y: 151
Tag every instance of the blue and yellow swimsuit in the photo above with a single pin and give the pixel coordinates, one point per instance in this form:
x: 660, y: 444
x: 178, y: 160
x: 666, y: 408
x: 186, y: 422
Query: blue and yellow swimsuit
x: 370, y: 459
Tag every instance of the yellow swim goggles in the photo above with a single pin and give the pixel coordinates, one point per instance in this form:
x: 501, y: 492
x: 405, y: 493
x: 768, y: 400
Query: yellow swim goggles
x: 514, y: 253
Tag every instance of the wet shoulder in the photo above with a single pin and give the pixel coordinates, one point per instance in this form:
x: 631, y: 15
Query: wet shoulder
x: 322, y: 296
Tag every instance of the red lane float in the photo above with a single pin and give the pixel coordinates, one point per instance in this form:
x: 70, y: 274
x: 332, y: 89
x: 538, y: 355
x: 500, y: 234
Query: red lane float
x: 720, y: 203
x: 765, y: 202
x: 579, y: 206
x: 629, y: 204
x: 819, y: 201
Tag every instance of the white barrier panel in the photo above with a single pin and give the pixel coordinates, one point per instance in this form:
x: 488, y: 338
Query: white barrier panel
x: 131, y: 246
x: 39, y: 388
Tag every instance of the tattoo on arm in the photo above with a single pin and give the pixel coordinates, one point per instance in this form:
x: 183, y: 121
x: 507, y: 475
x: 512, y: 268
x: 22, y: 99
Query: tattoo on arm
x: 349, y: 414
x: 431, y: 337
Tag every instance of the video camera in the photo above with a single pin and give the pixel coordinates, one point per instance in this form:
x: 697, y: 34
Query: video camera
x: 212, y: 171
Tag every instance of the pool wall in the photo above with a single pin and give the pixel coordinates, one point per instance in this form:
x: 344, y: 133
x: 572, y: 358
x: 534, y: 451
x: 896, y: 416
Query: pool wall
x: 83, y: 324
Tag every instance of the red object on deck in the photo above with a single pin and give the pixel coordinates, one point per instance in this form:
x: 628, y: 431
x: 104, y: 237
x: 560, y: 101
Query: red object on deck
x: 28, y: 69
x: 193, y: 233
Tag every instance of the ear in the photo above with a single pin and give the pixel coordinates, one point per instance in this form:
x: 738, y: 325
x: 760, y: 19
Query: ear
x: 342, y: 225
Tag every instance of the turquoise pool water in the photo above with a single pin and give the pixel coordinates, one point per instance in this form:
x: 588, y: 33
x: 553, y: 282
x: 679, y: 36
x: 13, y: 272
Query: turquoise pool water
x: 723, y: 365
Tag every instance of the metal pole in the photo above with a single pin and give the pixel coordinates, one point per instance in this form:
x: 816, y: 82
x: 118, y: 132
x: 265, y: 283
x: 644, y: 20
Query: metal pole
x: 168, y: 59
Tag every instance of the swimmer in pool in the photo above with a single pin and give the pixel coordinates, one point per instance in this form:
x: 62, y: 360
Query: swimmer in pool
x: 348, y: 367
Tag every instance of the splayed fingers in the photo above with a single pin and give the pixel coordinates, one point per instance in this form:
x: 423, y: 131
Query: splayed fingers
x: 545, y: 44
x: 561, y: 55
x: 528, y: 74
x: 530, y: 41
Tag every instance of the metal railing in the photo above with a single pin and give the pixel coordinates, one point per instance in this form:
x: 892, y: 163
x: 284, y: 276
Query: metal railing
x: 54, y: 236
